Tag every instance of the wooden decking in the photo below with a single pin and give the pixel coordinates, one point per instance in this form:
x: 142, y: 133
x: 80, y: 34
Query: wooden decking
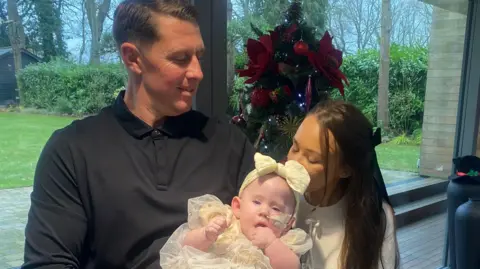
x: 421, y: 244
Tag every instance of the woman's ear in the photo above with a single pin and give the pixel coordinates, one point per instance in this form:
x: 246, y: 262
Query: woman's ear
x: 236, y: 202
x: 345, y: 172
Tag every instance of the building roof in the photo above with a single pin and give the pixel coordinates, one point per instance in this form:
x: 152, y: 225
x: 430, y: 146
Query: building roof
x: 6, y: 50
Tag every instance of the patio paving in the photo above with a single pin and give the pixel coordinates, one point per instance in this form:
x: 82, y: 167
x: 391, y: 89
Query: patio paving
x: 14, y: 205
x: 421, y: 244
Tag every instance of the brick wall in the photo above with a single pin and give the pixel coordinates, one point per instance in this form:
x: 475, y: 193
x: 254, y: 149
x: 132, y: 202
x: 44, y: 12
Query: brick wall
x: 441, y: 100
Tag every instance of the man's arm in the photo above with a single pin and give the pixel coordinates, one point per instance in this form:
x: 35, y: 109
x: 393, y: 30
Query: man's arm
x: 57, y: 225
x: 281, y: 257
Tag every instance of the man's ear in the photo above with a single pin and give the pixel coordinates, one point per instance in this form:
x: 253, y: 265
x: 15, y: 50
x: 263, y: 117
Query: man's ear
x: 236, y: 206
x: 131, y: 58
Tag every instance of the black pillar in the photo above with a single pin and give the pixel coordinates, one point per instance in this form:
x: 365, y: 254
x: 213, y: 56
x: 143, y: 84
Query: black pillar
x: 211, y: 98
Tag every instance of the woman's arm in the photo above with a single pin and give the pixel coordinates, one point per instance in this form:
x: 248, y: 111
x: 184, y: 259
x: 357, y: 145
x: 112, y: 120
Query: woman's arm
x: 390, y: 257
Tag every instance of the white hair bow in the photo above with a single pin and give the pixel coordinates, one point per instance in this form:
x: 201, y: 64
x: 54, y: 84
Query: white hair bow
x: 294, y: 173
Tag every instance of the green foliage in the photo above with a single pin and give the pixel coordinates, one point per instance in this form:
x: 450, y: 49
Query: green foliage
x: 413, y: 140
x: 69, y: 88
x: 417, y: 136
x: 408, y: 76
x: 402, y: 139
x: 240, y: 30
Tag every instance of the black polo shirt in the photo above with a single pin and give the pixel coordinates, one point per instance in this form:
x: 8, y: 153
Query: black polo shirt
x: 109, y: 189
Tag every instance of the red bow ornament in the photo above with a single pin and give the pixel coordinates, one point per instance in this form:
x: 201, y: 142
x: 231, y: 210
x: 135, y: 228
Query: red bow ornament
x: 328, y: 60
x: 260, y: 53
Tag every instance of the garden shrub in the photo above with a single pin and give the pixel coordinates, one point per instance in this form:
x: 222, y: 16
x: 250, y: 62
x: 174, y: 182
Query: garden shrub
x: 70, y: 88
x: 407, y: 85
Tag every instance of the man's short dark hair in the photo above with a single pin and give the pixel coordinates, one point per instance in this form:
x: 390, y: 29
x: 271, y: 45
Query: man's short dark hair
x: 133, y: 19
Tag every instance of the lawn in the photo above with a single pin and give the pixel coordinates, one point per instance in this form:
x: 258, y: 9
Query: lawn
x: 22, y: 137
x: 398, y: 157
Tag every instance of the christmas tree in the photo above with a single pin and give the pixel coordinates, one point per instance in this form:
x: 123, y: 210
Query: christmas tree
x: 288, y: 73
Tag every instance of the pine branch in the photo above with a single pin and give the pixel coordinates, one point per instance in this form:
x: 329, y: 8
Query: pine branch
x: 257, y: 31
x: 294, y: 13
x: 260, y: 136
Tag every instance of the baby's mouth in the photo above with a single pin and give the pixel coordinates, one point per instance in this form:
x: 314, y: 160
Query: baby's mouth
x: 261, y: 224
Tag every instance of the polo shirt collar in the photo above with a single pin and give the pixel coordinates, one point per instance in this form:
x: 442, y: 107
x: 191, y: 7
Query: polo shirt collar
x: 190, y: 123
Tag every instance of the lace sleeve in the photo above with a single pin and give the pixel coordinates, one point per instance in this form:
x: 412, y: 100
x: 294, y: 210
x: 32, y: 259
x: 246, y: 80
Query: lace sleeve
x: 174, y: 255
x: 298, y: 241
x: 203, y: 208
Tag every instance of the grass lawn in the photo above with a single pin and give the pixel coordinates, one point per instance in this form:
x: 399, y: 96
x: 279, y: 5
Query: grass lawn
x: 398, y: 157
x: 22, y: 137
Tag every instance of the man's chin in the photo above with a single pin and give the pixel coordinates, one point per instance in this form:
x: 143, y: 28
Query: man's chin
x: 182, y: 107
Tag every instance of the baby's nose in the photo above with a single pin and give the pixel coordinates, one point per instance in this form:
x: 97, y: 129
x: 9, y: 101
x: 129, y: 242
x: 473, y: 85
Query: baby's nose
x: 264, y: 211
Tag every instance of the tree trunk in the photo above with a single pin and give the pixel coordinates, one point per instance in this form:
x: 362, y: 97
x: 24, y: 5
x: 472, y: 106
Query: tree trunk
x: 230, y: 54
x: 96, y: 18
x: 16, y: 34
x: 84, y: 36
x: 383, y: 78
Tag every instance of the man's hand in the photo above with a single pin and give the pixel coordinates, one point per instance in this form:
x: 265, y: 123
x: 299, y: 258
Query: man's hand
x: 215, y: 228
x: 263, y: 237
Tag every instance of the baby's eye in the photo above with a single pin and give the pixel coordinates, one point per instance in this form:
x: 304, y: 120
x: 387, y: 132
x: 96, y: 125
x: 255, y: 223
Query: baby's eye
x: 276, y: 209
x: 256, y: 202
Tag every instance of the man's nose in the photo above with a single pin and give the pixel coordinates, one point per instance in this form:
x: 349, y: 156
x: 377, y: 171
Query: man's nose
x: 195, y: 70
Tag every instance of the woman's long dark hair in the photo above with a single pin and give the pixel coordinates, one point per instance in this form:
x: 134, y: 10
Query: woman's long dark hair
x: 365, y: 224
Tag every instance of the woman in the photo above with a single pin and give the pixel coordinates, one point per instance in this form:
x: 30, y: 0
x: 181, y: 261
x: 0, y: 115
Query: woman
x: 346, y: 207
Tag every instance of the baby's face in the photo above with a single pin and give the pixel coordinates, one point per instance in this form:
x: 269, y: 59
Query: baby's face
x: 264, y: 200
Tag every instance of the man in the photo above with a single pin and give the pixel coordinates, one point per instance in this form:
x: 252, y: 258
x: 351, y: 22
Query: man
x: 110, y: 189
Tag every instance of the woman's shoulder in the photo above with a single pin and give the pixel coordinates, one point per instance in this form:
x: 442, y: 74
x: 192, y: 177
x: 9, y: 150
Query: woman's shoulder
x: 389, y: 212
x: 389, y: 218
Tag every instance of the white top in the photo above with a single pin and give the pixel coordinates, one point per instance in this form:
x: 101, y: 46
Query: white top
x: 326, y: 225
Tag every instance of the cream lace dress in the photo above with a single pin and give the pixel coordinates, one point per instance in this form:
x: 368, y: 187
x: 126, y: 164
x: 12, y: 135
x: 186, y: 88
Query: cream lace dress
x: 232, y: 250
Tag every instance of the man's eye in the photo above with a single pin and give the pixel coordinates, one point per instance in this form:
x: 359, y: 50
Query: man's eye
x: 182, y: 60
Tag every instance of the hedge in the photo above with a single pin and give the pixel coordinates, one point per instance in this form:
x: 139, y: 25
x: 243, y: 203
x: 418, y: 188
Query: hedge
x: 69, y: 88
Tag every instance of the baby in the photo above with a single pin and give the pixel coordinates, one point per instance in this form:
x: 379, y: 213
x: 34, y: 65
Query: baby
x: 254, y: 232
